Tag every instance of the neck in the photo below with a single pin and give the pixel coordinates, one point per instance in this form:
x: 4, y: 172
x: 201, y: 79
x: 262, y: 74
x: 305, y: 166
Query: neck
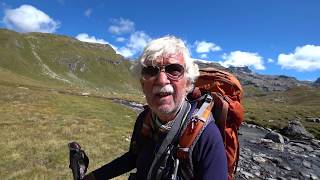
x: 166, y: 117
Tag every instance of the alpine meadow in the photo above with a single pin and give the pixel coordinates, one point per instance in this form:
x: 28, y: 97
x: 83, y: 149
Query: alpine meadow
x: 56, y: 89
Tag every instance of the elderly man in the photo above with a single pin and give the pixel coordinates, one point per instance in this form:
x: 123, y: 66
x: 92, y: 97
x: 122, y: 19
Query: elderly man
x: 166, y: 74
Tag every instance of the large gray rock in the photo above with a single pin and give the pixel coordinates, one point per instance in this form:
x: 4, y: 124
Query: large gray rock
x: 295, y: 130
x: 275, y: 137
x: 265, y: 159
x: 268, y: 143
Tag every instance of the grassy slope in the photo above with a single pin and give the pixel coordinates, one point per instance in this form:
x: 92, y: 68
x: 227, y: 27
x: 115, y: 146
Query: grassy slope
x: 96, y: 66
x: 37, y: 122
x: 275, y: 110
x: 16, y: 55
x: 37, y: 125
x: 103, y: 68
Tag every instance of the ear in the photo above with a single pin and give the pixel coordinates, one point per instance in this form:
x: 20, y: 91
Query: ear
x: 142, y: 85
x: 189, y: 86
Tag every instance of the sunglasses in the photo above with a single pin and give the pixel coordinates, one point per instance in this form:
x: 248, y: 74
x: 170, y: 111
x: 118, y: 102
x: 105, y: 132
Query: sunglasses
x: 173, y: 71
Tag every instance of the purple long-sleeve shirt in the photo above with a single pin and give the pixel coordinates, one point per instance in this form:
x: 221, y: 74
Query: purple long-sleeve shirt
x: 208, y: 157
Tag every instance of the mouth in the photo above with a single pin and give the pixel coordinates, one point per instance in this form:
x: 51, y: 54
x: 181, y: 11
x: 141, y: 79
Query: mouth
x: 163, y: 94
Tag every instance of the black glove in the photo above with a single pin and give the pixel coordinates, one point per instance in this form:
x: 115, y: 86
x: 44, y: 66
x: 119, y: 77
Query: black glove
x: 79, y: 161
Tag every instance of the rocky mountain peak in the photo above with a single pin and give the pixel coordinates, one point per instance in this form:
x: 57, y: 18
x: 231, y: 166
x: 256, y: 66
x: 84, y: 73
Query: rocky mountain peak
x: 317, y: 81
x: 267, y: 83
x: 244, y: 69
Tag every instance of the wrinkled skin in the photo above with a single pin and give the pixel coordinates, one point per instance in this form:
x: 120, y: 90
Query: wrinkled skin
x: 166, y: 105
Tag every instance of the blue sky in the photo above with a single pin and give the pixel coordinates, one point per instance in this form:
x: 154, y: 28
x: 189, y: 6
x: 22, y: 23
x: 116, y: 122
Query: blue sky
x: 269, y: 36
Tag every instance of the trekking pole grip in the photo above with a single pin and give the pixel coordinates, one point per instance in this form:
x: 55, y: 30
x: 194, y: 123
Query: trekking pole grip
x: 79, y: 161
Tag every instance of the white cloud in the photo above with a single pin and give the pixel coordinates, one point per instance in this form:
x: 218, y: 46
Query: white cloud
x: 203, y: 56
x: 126, y: 52
x: 88, y: 12
x: 270, y: 60
x: 138, y: 40
x: 92, y: 39
x: 240, y: 59
x: 205, y: 47
x: 121, y: 26
x: 120, y: 39
x: 27, y: 18
x: 305, y: 58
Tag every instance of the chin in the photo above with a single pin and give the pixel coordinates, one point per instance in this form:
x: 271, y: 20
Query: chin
x: 166, y: 110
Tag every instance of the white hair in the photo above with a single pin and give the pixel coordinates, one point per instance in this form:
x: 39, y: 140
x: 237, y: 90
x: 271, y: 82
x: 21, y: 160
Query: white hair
x: 164, y: 46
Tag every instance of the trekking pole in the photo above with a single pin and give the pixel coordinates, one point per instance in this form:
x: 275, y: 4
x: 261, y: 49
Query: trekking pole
x: 79, y: 161
x: 175, y: 171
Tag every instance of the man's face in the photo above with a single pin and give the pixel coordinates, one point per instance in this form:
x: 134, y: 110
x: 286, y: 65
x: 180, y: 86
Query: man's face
x: 164, y: 92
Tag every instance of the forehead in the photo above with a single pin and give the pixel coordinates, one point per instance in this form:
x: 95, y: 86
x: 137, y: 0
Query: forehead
x: 166, y: 59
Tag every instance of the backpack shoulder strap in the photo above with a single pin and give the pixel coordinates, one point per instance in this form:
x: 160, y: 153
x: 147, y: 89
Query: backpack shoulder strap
x: 191, y: 133
x: 194, y: 127
x: 220, y: 113
x: 215, y: 105
x: 169, y: 138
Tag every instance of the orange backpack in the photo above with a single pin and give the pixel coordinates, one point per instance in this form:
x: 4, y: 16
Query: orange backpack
x: 219, y: 93
x: 227, y: 111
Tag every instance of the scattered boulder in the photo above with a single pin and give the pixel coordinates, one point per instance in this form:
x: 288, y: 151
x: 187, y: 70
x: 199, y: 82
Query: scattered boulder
x: 306, y: 164
x: 85, y: 94
x: 295, y: 130
x: 315, y: 142
x: 258, y: 159
x: 263, y: 157
x: 275, y: 137
x: 313, y: 119
x: 21, y: 87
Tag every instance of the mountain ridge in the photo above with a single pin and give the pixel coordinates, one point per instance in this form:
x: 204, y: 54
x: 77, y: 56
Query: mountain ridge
x: 61, y: 60
x: 66, y: 60
x: 263, y: 82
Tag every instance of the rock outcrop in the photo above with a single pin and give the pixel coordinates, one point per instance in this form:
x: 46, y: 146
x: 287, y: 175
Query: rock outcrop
x: 265, y: 154
x: 296, y: 131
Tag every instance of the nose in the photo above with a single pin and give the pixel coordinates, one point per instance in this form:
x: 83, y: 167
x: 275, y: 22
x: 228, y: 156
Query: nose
x: 162, y: 78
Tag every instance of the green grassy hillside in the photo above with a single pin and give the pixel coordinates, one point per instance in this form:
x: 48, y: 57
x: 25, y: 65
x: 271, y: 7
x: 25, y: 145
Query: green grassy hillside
x: 62, y: 61
x: 42, y: 77
x: 274, y: 110
x: 36, y: 126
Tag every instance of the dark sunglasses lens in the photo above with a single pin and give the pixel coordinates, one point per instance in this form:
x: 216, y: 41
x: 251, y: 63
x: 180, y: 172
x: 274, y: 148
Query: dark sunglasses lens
x: 150, y: 70
x: 174, y: 70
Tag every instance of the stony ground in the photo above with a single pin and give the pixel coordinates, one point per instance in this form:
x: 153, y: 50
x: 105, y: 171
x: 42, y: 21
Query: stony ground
x: 262, y: 158
x: 265, y: 156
